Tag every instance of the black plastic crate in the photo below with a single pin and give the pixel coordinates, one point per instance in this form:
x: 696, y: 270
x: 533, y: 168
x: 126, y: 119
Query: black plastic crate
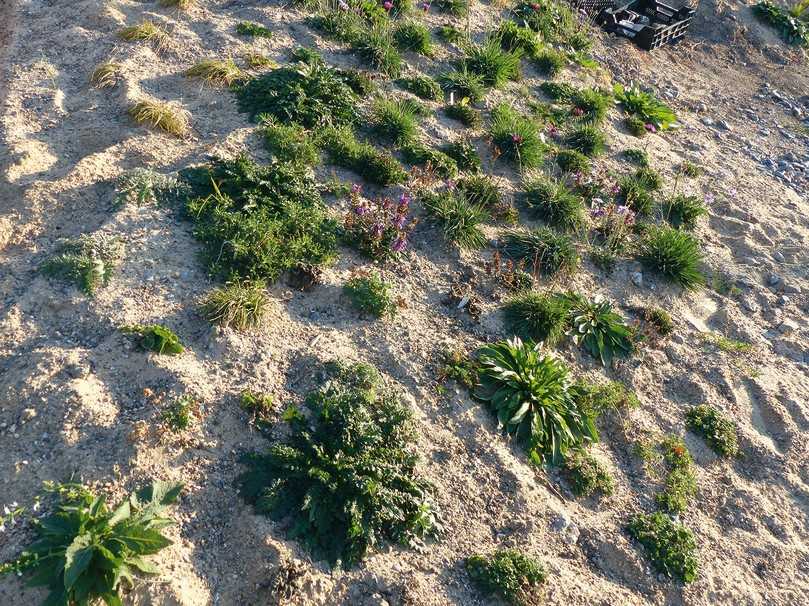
x: 648, y: 23
x: 592, y: 7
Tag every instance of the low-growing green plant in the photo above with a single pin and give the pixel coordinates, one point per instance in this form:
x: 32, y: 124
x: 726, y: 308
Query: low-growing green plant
x: 346, y: 478
x: 180, y: 4
x: 463, y: 84
x: 379, y: 227
x: 587, y: 475
x: 724, y: 344
x: 598, y: 398
x: 106, y: 75
x: 680, y: 482
x: 554, y: 203
x: 636, y: 156
x: 260, y: 406
x: 377, y: 46
x: 670, y: 546
x: 163, y: 115
x: 717, y: 430
x: 683, y: 211
x: 465, y: 114
x: 590, y: 105
x: 690, y: 169
x: 660, y: 319
x: 559, y: 91
x: 634, y: 195
x: 450, y: 34
x: 372, y: 164
x: 549, y: 61
x: 587, y: 140
x: 509, y: 574
x: 456, y: 8
x: 482, y: 190
x: 549, y: 252
x: 459, y: 219
x: 457, y: 365
x: 573, y: 161
x: 438, y: 163
x: 424, y: 87
x: 464, y: 154
x: 540, y: 317
x: 249, y: 28
x: 257, y: 222
x: 371, y: 294
x: 156, y: 338
x: 87, y: 552
x: 143, y: 186
x: 513, y: 37
x: 256, y: 60
x: 413, y: 36
x: 87, y: 261
x: 530, y: 395
x: 648, y: 178
x: 792, y: 29
x: 178, y: 415
x: 674, y: 254
x: 215, y: 72
x: 635, y: 126
x: 556, y: 22
x: 289, y: 142
x: 645, y: 106
x: 599, y: 329
x: 516, y: 138
x: 241, y: 304
x: 395, y: 120
x: 495, y: 66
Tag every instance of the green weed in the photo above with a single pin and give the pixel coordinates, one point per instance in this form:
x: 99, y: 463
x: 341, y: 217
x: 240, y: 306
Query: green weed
x: 370, y: 294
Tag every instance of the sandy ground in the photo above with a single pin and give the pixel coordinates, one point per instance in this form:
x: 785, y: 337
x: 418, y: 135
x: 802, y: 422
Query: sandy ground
x: 71, y: 386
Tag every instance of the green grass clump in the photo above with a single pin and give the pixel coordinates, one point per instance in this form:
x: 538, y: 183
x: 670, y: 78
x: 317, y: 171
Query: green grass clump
x: 649, y: 179
x: 509, y: 574
x: 456, y: 8
x: 450, y: 34
x: 465, y: 114
x: 717, y: 430
x: 588, y: 140
x: 345, y: 479
x: 370, y: 294
x: 556, y: 23
x: 633, y: 194
x: 559, y: 91
x: 86, y: 261
x: 682, y: 211
x: 371, y: 164
x: 495, y: 66
x: 162, y: 115
x: 256, y: 30
x: 549, y: 61
x: 413, y: 36
x: 459, y: 220
x: 645, y: 107
x: 587, y: 475
x: 516, y: 137
x: 599, y: 329
x: 635, y: 126
x: 216, y: 73
x: 87, y: 552
x: 464, y: 154
x: 395, y: 120
x: 481, y: 190
x: 258, y: 60
x: 598, y: 398
x: 311, y: 95
x: 539, y: 317
x: 289, y: 142
x: 674, y: 254
x: 377, y: 46
x: 572, y: 161
x: 241, y: 305
x: 257, y: 222
x: 106, y: 75
x: 554, y: 203
x: 529, y: 393
x: 660, y: 319
x: 690, y: 169
x: 513, y: 37
x: 548, y: 251
x: 156, y: 338
x: 435, y: 160
x: 636, y: 156
x: 424, y: 87
x: 463, y: 84
x: 592, y: 104
x: 670, y: 546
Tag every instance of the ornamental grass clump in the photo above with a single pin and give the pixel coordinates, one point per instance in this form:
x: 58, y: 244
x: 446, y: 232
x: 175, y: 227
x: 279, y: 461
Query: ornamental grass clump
x: 588, y: 140
x: 241, y: 305
x: 508, y: 574
x: 516, y: 138
x: 682, y: 211
x: 106, y: 75
x: 370, y: 294
x: 598, y: 329
x: 548, y: 251
x: 147, y: 31
x: 495, y: 66
x: 378, y: 228
x: 459, y: 219
x: 423, y: 87
x: 553, y: 202
x: 215, y: 72
x: 479, y: 189
x: 345, y: 480
x: 376, y: 44
x: 456, y: 8
x: 549, y: 61
x: 255, y: 30
x: 162, y: 115
x: 591, y: 105
x: 87, y: 261
x: 413, y: 36
x: 539, y: 317
x: 513, y: 37
x: 87, y: 552
x: 572, y: 161
x: 674, y: 254
x: 530, y: 395
x: 258, y: 221
x: 670, y: 546
x: 395, y: 120
x: 463, y: 84
x: 715, y: 428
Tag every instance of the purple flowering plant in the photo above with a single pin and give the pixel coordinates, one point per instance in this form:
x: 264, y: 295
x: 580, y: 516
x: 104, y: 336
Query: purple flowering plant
x: 379, y: 227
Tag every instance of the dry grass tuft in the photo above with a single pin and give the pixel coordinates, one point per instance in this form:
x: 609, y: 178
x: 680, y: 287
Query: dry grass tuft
x: 147, y: 31
x: 106, y: 75
x: 216, y: 73
x: 161, y: 114
x: 257, y: 60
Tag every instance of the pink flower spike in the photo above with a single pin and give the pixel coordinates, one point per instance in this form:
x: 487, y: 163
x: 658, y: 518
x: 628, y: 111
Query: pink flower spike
x: 388, y: 5
x: 650, y: 127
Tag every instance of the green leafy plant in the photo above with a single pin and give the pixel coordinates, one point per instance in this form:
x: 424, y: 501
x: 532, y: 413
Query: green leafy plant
x: 597, y: 398
x: 674, y: 254
x: 554, y: 203
x: 513, y: 37
x: 792, y: 29
x: 549, y: 252
x: 395, y: 120
x: 464, y: 154
x: 645, y: 106
x: 587, y: 475
x: 456, y: 8
x: 177, y: 416
x: 670, y: 546
x: 683, y: 211
x: 422, y: 86
x: 597, y: 328
x: 590, y: 105
x: 450, y: 34
x: 377, y: 45
x: 465, y: 114
x: 289, y: 142
x: 530, y: 395
x: 573, y: 161
x: 540, y: 317
x: 87, y: 261
x: 587, y: 140
x: 457, y: 365
x: 459, y: 219
x: 481, y: 190
x: 346, y: 478
x: 556, y: 23
x: 371, y: 294
x: 156, y: 338
x: 143, y: 186
x: 417, y: 153
x: 634, y: 194
x: 559, y: 91
x: 516, y: 138
x: 549, y: 61
x: 636, y: 156
x: 680, y: 482
x: 509, y: 574
x: 257, y: 222
x: 241, y: 304
x: 248, y: 28
x: 86, y: 552
x: 717, y: 430
x: 660, y: 319
x: 374, y: 165
x: 413, y: 36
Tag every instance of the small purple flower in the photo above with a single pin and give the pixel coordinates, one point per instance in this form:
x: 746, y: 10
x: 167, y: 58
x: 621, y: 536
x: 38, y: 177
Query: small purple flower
x: 425, y: 6
x: 356, y: 188
x: 709, y: 198
x: 650, y: 127
x: 518, y: 139
x: 387, y: 204
x: 360, y: 210
x: 597, y: 212
x: 398, y: 245
x: 450, y: 184
x: 622, y: 210
x: 405, y: 199
x: 615, y: 189
x: 387, y: 5
x: 400, y: 221
x: 377, y: 230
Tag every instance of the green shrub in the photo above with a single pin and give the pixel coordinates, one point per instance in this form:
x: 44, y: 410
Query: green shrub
x: 413, y: 36
x: 516, y: 137
x: 259, y: 221
x: 465, y: 114
x: 645, y: 106
x: 597, y: 328
x: 459, y: 219
x: 370, y: 294
x: 463, y: 84
x: 371, y: 164
x: 660, y: 319
x: 440, y: 163
x: 549, y: 61
x: 494, y: 65
x: 86, y: 552
x: 554, y: 203
x: 156, y: 338
x: 464, y: 154
x: 513, y: 37
x: 530, y: 395
x: 87, y: 261
x: 395, y: 120
x: 547, y: 251
x: 587, y: 475
x: 422, y: 86
x: 588, y: 140
x: 674, y: 254
x: 683, y: 211
x: 239, y: 304
x: 717, y: 430
x: 572, y: 161
x: 636, y: 156
x: 670, y: 546
x: 540, y: 317
x: 311, y: 95
x: 289, y: 142
x: 790, y: 23
x: 248, y: 28
x: 346, y: 479
x: 509, y: 574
